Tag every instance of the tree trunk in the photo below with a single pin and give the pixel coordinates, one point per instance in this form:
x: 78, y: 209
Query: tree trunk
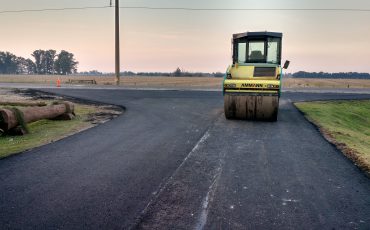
x: 9, y: 120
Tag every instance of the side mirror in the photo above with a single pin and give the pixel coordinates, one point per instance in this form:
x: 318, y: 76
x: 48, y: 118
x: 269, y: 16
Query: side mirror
x: 286, y: 64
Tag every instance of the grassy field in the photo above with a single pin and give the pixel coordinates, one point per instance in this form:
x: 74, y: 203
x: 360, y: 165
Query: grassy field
x: 149, y: 82
x: 181, y: 82
x: 46, y: 131
x: 344, y: 123
x: 325, y: 83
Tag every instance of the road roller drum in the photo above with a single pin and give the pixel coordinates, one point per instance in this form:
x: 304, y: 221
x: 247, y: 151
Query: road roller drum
x: 251, y: 107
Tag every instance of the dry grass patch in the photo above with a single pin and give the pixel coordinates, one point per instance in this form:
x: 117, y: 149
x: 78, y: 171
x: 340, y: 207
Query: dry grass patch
x: 181, y: 82
x: 136, y: 82
x: 325, y: 83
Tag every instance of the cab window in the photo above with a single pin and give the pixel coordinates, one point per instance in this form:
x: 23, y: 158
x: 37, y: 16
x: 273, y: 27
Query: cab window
x: 256, y: 51
x: 273, y: 50
x: 242, y: 50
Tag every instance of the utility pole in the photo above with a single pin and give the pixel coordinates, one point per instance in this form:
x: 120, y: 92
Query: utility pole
x: 117, y: 44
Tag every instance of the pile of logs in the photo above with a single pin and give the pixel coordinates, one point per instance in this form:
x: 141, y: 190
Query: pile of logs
x: 14, y: 120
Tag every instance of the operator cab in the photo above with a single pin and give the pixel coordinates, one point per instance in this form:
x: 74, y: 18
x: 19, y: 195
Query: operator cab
x: 257, y: 47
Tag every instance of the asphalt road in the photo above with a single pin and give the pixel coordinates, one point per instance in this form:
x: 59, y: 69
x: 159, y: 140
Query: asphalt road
x: 172, y: 161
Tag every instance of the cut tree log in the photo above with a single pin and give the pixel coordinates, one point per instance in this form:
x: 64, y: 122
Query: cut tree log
x: 23, y: 103
x: 12, y: 118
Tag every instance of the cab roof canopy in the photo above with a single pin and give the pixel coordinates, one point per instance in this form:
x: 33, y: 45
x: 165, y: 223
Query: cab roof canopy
x: 257, y: 34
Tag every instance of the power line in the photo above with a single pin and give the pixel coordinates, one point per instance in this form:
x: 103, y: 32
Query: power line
x: 243, y: 9
x: 188, y: 9
x: 53, y: 9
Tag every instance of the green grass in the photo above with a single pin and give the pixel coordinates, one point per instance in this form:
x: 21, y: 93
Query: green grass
x: 45, y: 131
x: 348, y: 122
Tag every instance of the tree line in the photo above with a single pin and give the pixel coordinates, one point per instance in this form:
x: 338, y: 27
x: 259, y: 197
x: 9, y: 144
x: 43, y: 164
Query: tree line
x: 341, y: 75
x: 181, y: 73
x: 44, y: 62
x: 51, y: 62
x: 177, y: 73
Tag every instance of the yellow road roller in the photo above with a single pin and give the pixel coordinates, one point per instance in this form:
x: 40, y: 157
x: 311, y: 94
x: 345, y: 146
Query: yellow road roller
x: 252, y: 84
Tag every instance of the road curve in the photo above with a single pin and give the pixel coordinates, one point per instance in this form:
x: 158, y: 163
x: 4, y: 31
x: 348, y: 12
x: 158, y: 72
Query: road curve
x: 172, y: 161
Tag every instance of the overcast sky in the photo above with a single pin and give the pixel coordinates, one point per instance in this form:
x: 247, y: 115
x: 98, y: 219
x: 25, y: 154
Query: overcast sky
x: 159, y: 40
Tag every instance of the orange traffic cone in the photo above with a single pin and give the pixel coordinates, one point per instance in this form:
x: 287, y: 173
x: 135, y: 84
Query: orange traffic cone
x: 58, y: 82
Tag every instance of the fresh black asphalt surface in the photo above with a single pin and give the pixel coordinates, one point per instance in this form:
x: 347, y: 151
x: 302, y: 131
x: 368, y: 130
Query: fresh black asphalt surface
x: 172, y: 161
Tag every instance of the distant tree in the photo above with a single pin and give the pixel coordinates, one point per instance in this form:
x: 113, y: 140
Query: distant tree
x: 44, y: 61
x: 8, y: 63
x: 21, y: 65
x: 127, y: 73
x: 91, y: 73
x: 177, y: 72
x: 218, y: 74
x: 2, y: 63
x: 65, y: 63
x: 49, y: 60
x: 39, y: 63
x: 11, y: 64
x: 31, y: 66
